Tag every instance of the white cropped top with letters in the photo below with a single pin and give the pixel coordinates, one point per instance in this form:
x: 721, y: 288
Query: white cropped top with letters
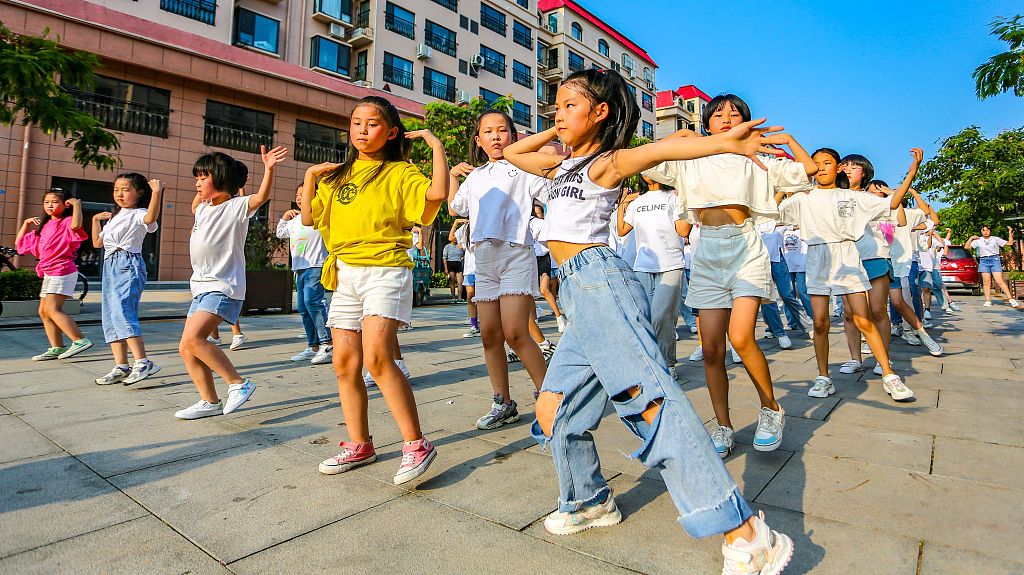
x: 579, y: 211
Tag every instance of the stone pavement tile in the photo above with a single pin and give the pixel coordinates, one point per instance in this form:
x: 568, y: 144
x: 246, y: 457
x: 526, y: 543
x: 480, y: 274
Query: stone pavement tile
x: 952, y: 367
x: 51, y: 498
x: 995, y: 399
x: 57, y: 378
x: 900, y: 502
x: 929, y: 420
x: 944, y: 560
x: 143, y: 545
x: 21, y: 441
x: 4, y: 410
x: 237, y: 502
x: 459, y: 414
x: 978, y: 461
x: 50, y: 410
x: 434, y: 539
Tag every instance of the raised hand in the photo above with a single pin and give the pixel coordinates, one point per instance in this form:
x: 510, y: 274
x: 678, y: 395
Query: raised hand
x: 430, y: 139
x: 102, y: 216
x: 290, y: 214
x: 155, y: 185
x: 627, y: 197
x: 73, y: 203
x: 749, y: 138
x: 918, y: 155
x: 32, y: 222
x: 319, y: 169
x: 461, y: 170
x: 273, y: 157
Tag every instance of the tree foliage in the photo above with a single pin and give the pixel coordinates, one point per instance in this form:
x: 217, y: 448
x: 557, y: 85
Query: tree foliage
x: 1003, y: 72
x: 32, y: 94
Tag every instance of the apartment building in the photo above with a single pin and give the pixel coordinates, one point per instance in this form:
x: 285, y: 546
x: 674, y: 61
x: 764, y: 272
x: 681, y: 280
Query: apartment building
x: 573, y: 38
x: 680, y: 108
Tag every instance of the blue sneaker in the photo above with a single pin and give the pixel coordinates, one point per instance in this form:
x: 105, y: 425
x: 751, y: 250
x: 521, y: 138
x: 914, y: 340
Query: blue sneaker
x: 724, y: 439
x: 769, y: 429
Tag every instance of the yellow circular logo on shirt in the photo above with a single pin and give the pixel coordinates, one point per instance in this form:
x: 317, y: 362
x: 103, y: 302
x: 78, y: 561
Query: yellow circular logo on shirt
x: 347, y: 193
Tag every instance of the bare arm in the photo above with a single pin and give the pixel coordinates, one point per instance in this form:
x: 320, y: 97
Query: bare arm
x: 897, y: 198
x: 970, y: 242
x: 76, y: 215
x: 440, y: 178
x: 623, y: 228
x: 901, y: 217
x: 801, y: 155
x: 196, y: 201
x: 459, y: 171
x: 25, y: 227
x: 683, y: 228
x: 97, y: 242
x: 309, y: 189
x: 155, y: 203
x: 270, y: 161
x: 923, y: 205
x: 526, y: 155
x: 1010, y: 230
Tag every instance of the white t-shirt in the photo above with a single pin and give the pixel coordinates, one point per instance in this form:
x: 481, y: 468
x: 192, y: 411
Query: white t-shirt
x: 498, y: 198
x: 794, y: 248
x: 989, y: 246
x: 771, y: 235
x: 833, y: 215
x: 579, y: 211
x: 126, y: 231
x: 468, y: 257
x: 658, y: 248
x: 730, y: 179
x: 217, y: 247
x: 691, y: 245
x: 904, y: 241
x: 305, y: 243
x: 926, y: 254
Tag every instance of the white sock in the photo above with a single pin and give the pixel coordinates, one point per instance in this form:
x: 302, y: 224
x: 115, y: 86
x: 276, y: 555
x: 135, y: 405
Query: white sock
x: 921, y: 332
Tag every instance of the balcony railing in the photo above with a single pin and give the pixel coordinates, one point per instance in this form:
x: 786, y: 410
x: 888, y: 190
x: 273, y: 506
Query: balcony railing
x: 494, y: 66
x: 443, y: 44
x: 204, y: 11
x: 521, y: 117
x: 318, y: 151
x: 452, y: 5
x: 492, y: 23
x: 359, y: 73
x: 122, y: 115
x: 244, y: 137
x: 522, y: 37
x: 438, y: 90
x: 363, y: 18
x: 523, y: 78
x: 398, y: 76
x: 400, y: 25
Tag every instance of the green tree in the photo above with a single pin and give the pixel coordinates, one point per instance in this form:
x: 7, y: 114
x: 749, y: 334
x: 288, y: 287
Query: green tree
x: 1003, y: 72
x: 31, y: 73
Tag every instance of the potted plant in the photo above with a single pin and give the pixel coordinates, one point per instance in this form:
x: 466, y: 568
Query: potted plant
x: 1015, y: 281
x: 267, y: 277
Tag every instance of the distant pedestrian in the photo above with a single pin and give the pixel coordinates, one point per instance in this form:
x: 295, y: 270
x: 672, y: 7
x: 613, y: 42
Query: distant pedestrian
x: 989, y: 264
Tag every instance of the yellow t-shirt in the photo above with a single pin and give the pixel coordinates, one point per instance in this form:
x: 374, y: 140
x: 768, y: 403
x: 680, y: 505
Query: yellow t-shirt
x: 370, y: 224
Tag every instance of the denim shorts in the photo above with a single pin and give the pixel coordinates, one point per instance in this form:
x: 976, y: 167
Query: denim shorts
x: 989, y: 264
x: 124, y: 278
x: 878, y: 267
x: 218, y: 304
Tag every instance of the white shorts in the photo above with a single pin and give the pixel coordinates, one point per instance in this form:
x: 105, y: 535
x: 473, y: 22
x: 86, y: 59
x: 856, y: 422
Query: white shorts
x: 60, y: 285
x: 730, y: 262
x: 370, y: 290
x: 503, y: 268
x: 835, y: 269
x: 902, y: 268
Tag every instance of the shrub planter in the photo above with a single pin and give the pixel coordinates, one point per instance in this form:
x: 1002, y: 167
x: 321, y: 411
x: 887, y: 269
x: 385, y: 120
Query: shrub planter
x: 29, y: 308
x: 1016, y: 288
x: 268, y: 289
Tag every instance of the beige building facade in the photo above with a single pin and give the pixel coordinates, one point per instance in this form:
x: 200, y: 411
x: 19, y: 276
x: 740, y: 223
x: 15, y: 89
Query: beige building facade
x: 680, y: 109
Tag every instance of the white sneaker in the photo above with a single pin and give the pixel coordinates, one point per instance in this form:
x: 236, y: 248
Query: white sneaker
x: 947, y: 309
x: 767, y: 554
x: 598, y: 515
x: 852, y: 366
x: 200, y: 409
x: 698, y: 354
x: 214, y: 340
x: 560, y: 320
x: 954, y: 306
x: 933, y: 347
x: 693, y: 329
x: 987, y: 304
x: 238, y: 394
x: 140, y: 371
x: 911, y: 338
x: 769, y: 429
x: 927, y: 324
x: 769, y: 335
x: 323, y: 355
x: 368, y: 379
x: 473, y: 332
x: 304, y: 355
x: 822, y: 387
x: 237, y: 341
x: 895, y: 331
x: 894, y: 386
x: 864, y: 348
x: 116, y: 375
x: 724, y: 439
x: 735, y: 356
x: 1014, y: 303
x: 785, y: 342
x: 927, y: 314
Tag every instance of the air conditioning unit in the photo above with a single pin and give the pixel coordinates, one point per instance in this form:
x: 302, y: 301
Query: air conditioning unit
x: 552, y: 29
x: 477, y: 60
x: 362, y: 83
x: 336, y: 31
x: 463, y: 97
x: 650, y: 85
x: 423, y: 51
x: 632, y: 73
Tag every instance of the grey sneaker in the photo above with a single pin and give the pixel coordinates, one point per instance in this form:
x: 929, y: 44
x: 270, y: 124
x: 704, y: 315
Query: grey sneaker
x: 116, y: 375
x: 52, y: 353
x: 304, y: 355
x: 140, y: 371
x: 500, y: 414
x: 76, y: 348
x: 822, y: 387
x: 933, y: 347
x: 238, y: 394
x: 724, y: 439
x: 200, y: 409
x: 603, y: 514
x: 911, y: 338
x: 769, y: 429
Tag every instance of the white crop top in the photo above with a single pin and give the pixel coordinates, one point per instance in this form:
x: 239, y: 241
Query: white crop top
x: 498, y: 198
x: 730, y: 179
x: 579, y: 211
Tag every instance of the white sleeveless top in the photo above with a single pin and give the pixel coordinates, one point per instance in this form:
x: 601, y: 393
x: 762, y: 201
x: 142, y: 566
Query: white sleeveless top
x: 579, y: 211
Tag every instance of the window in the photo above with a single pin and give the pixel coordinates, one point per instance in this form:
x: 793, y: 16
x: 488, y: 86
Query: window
x: 317, y: 144
x: 553, y: 23
x: 679, y: 124
x: 521, y: 34
x: 494, y: 61
x: 577, y: 31
x: 648, y: 74
x: 452, y: 5
x: 400, y: 21
x: 340, y: 10
x: 439, y: 85
x: 602, y: 47
x: 647, y: 130
x: 628, y: 63
x: 575, y: 61
x: 397, y: 71
x: 689, y: 106
x: 204, y: 11
x: 237, y: 128
x: 256, y: 30
x: 632, y: 90
x: 440, y: 38
x: 330, y: 56
x: 126, y: 106
x: 492, y: 19
x: 521, y: 114
x: 522, y: 74
x: 359, y: 73
x: 464, y: 22
x: 489, y: 96
x: 647, y: 101
x: 463, y: 67
x: 524, y: 3
x: 363, y: 15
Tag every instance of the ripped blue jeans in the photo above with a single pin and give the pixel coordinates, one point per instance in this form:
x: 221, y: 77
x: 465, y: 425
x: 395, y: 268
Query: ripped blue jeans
x: 609, y: 347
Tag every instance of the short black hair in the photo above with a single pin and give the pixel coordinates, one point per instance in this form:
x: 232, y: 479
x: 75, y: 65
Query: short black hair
x: 865, y: 164
x: 879, y: 183
x: 222, y: 168
x: 243, y: 174
x: 718, y: 102
x: 835, y: 155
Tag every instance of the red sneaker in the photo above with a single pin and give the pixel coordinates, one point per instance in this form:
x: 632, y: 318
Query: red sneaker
x: 352, y: 455
x: 416, y: 458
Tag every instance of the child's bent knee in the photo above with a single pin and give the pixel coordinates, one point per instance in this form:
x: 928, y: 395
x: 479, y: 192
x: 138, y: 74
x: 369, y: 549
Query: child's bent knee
x: 547, y: 406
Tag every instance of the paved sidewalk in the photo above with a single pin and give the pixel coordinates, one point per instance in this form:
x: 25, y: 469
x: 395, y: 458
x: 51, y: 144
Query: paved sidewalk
x: 105, y: 479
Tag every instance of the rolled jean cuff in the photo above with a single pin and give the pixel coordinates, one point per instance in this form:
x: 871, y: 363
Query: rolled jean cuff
x: 724, y: 517
x: 574, y: 506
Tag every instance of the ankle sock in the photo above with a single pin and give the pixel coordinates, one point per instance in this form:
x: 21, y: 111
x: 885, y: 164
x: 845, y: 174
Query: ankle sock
x: 474, y: 322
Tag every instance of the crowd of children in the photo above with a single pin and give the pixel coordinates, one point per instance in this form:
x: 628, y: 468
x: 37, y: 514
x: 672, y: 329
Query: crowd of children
x: 775, y: 224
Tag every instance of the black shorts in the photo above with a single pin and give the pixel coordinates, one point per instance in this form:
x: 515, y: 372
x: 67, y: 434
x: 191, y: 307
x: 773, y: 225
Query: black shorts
x: 543, y: 266
x: 454, y: 267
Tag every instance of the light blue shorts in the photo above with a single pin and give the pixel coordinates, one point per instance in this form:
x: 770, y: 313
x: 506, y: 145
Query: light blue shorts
x: 218, y: 304
x: 990, y: 264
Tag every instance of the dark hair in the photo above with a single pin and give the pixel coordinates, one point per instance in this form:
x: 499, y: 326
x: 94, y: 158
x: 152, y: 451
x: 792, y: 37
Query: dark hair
x: 68, y: 210
x: 843, y: 181
x: 878, y: 183
x: 243, y: 176
x: 222, y: 168
x: 396, y: 149
x: 141, y: 185
x: 623, y: 114
x: 985, y: 226
x: 718, y: 102
x: 829, y: 151
x: 477, y: 155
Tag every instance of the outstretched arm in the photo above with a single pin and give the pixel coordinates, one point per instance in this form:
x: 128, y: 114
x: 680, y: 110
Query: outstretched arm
x: 270, y: 161
x: 923, y: 205
x: 801, y: 155
x: 897, y: 198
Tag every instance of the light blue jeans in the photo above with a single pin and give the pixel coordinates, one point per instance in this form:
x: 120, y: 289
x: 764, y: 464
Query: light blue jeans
x: 793, y: 306
x: 309, y: 295
x: 663, y: 292
x: 608, y: 348
x: 799, y: 280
